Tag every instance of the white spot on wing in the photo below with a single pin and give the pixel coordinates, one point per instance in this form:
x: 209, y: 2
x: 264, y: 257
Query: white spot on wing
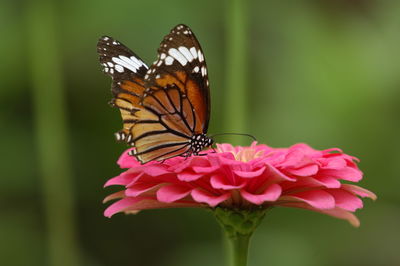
x: 196, y: 69
x: 119, y: 68
x: 193, y: 51
x: 162, y: 56
x: 137, y: 61
x: 169, y: 60
x: 201, y: 58
x: 186, y: 53
x: 178, y: 56
x: 126, y: 62
x: 203, y: 71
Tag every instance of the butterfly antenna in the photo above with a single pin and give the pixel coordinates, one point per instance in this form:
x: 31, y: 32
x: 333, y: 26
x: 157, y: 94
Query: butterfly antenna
x: 237, y: 134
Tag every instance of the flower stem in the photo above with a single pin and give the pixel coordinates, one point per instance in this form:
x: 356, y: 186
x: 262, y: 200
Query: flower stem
x: 238, y: 226
x: 238, y: 250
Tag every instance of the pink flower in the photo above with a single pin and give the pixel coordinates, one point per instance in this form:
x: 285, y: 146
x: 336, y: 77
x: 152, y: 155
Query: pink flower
x: 242, y: 178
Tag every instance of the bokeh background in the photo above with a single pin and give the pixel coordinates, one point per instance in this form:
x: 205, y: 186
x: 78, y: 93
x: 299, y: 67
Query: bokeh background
x: 322, y: 72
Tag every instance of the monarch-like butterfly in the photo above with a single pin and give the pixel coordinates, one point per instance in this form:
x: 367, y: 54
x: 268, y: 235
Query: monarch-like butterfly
x: 165, y: 108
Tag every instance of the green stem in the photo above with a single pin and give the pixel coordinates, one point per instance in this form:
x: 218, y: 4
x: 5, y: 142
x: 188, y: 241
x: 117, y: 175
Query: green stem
x: 238, y: 249
x: 239, y: 225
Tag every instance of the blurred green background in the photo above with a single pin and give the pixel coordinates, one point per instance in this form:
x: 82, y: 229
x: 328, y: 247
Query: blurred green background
x: 322, y: 72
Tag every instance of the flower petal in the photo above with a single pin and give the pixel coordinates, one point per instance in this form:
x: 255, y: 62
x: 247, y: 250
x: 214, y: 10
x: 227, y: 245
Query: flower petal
x: 315, y: 198
x: 123, y: 179
x: 348, y: 173
x: 335, y: 212
x: 328, y: 182
x: 116, y: 195
x: 173, y: 192
x: 120, y: 206
x: 189, y: 176
x: 362, y: 192
x: 271, y: 193
x: 346, y: 200
x: 155, y: 204
x: 221, y: 182
x: 203, y: 196
x: 126, y: 160
x: 139, y: 188
x: 205, y: 169
x: 307, y: 170
x: 335, y: 163
x: 275, y: 174
x: 250, y: 174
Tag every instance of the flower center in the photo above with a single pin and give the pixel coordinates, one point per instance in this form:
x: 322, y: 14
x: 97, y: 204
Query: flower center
x: 243, y: 154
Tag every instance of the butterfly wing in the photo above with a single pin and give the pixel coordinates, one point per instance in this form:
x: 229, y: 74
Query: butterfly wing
x: 165, y: 106
x: 181, y: 63
x: 127, y: 71
x: 178, y: 91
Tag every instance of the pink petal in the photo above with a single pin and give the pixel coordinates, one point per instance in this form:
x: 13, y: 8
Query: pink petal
x: 336, y: 163
x: 116, y: 195
x: 316, y: 198
x: 332, y: 151
x: 224, y: 147
x: 189, y: 162
x: 275, y: 174
x: 343, y: 214
x: 154, y: 169
x: 189, y: 176
x: 346, y: 200
x: 139, y: 188
x: 202, y: 196
x: 228, y: 159
x: 271, y: 193
x: 348, y: 173
x: 120, y: 206
x: 171, y: 193
x: 296, y: 158
x: 205, y: 169
x: 155, y: 204
x: 307, y: 170
x: 127, y: 161
x: 123, y: 179
x: 335, y: 212
x: 221, y: 182
x: 328, y: 182
x: 362, y: 192
x: 250, y: 174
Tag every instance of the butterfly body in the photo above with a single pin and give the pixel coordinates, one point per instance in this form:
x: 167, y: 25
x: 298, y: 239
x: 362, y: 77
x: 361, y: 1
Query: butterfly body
x: 165, y: 108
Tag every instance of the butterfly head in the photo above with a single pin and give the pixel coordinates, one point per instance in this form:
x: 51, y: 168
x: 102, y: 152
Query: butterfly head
x: 200, y: 141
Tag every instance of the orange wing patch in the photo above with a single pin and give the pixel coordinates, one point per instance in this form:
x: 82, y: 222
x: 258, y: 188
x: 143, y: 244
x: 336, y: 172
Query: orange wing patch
x: 199, y: 105
x: 178, y: 79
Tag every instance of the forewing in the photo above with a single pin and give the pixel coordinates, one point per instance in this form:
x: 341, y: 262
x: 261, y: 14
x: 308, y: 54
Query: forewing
x: 127, y: 71
x: 119, y: 61
x: 181, y: 65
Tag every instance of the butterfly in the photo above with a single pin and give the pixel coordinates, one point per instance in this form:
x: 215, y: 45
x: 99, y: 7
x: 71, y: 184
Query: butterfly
x: 165, y: 108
